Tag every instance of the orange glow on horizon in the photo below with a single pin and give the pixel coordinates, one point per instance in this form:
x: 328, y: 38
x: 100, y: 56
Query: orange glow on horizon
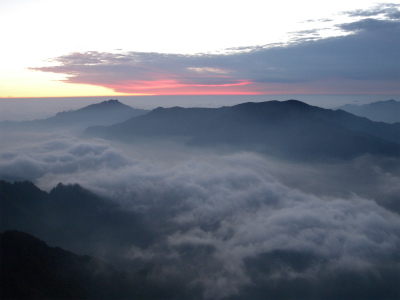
x: 173, y: 87
x: 61, y: 88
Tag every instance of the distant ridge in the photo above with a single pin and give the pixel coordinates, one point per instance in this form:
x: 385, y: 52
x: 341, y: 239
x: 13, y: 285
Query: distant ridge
x: 109, y: 104
x: 381, y: 111
x: 289, y: 128
x: 104, y: 113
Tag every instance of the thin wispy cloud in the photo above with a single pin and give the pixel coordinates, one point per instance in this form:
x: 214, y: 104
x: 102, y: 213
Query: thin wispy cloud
x: 388, y: 10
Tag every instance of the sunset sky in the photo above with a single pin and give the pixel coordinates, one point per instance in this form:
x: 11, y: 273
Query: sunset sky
x: 97, y: 48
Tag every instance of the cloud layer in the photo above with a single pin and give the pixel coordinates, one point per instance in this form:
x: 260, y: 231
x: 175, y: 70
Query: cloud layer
x: 363, y: 58
x: 231, y: 223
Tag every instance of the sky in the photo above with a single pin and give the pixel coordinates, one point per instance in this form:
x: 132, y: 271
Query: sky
x: 98, y: 48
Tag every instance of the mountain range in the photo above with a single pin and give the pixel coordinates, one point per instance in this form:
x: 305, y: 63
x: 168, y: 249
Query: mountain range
x: 291, y: 129
x: 381, y: 111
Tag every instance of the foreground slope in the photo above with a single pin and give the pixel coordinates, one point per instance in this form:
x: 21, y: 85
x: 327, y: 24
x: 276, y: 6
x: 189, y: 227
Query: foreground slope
x: 290, y: 129
x: 30, y: 269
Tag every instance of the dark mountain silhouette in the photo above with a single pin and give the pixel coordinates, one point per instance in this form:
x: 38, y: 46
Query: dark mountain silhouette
x: 381, y: 111
x: 77, y: 220
x: 104, y: 113
x: 291, y: 129
x: 30, y: 269
x: 71, y: 217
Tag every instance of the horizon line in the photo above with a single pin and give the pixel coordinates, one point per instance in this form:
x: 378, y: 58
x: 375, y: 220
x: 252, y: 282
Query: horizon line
x: 183, y: 95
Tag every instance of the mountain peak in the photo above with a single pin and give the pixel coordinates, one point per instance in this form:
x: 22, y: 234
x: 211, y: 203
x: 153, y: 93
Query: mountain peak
x: 295, y: 102
x: 112, y: 103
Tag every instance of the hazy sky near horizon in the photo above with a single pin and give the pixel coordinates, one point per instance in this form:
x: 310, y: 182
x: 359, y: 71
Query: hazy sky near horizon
x: 96, y: 48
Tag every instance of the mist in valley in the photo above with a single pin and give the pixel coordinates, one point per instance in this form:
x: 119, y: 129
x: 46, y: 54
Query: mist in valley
x: 210, y: 221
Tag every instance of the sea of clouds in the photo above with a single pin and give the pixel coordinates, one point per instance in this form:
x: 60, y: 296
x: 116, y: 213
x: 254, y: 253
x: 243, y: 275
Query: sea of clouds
x: 225, y: 220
